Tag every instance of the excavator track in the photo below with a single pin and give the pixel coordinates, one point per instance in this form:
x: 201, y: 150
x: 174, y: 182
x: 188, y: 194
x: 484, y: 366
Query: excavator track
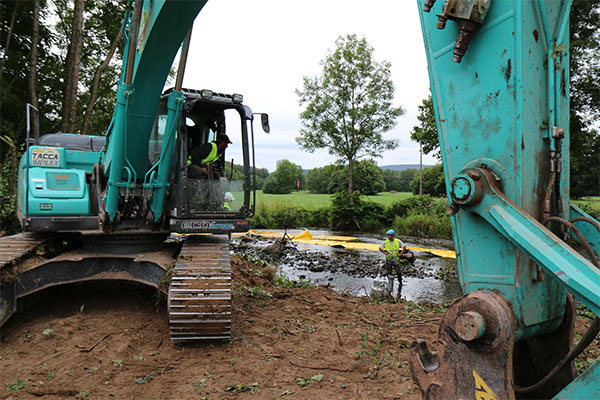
x: 200, y: 291
x: 13, y: 248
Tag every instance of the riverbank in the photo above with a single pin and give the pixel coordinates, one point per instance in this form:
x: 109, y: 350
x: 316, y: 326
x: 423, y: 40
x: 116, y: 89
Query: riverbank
x: 353, y: 262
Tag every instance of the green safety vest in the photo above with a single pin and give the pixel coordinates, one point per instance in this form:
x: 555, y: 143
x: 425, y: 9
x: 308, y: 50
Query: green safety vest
x: 392, y: 248
x: 213, y: 155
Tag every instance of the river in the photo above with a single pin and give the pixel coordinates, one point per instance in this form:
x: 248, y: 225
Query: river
x: 430, y: 279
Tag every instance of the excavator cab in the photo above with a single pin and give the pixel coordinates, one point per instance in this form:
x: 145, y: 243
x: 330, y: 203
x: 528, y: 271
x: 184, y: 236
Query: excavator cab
x: 218, y: 198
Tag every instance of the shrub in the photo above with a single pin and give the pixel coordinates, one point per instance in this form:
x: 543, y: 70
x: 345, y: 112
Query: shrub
x: 425, y: 205
x: 280, y: 216
x: 427, y: 226
x: 362, y: 215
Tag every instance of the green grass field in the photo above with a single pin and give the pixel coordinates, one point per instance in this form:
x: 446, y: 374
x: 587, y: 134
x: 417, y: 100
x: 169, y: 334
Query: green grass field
x: 310, y: 200
x: 592, y: 201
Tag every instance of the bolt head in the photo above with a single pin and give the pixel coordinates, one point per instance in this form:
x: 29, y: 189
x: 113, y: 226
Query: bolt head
x: 473, y: 175
x: 469, y: 325
x: 461, y: 189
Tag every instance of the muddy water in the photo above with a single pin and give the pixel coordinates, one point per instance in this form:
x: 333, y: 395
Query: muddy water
x: 430, y: 279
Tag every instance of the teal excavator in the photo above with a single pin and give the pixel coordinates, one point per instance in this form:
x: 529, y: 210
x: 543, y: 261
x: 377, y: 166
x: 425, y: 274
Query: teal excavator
x: 499, y: 77
x: 108, y: 206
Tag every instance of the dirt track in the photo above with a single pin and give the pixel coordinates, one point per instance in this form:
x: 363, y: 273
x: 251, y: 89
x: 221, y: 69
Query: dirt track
x: 104, y: 341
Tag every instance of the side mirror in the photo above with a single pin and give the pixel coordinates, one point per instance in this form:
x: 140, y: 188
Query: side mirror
x: 264, y: 120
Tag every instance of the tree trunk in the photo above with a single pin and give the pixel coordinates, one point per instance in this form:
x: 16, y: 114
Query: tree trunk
x: 72, y: 69
x: 96, y: 83
x: 8, y: 36
x: 350, y: 182
x: 35, y: 39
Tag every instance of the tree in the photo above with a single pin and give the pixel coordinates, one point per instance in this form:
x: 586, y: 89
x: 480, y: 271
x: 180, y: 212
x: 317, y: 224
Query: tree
x: 96, y: 83
x: 320, y: 180
x: 101, y: 64
x: 18, y: 32
x: 261, y: 176
x: 434, y: 183
x: 426, y: 132
x: 585, y: 97
x: 35, y: 40
x: 585, y: 165
x: 20, y: 67
x: 72, y: 69
x: 284, y: 179
x: 398, y: 181
x: 349, y: 106
x: 368, y: 178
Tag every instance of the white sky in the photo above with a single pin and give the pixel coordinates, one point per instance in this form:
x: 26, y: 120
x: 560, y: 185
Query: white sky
x: 263, y: 48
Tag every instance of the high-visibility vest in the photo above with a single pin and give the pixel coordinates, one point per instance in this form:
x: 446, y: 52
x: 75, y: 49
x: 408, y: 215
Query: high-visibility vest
x: 392, y: 248
x: 213, y: 155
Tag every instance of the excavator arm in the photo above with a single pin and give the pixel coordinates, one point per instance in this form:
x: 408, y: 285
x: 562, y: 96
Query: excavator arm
x: 500, y: 85
x: 155, y: 32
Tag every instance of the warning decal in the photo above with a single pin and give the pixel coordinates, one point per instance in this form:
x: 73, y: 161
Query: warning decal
x: 45, y: 157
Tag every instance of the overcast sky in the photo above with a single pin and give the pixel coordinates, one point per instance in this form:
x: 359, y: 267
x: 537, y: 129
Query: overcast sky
x: 263, y: 48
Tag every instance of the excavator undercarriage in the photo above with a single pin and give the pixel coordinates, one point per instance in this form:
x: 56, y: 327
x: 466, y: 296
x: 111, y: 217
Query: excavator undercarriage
x: 193, y: 271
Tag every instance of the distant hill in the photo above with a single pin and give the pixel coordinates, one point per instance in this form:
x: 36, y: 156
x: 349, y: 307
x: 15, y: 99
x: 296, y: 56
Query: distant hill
x: 400, y: 167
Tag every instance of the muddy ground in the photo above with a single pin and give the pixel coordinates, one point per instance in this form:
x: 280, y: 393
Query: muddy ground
x: 278, y: 252
x: 106, y: 341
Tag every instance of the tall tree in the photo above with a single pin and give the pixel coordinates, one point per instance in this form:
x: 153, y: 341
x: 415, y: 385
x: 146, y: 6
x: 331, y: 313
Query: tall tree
x: 585, y: 97
x: 73, y: 66
x: 349, y: 106
x: 96, y: 83
x: 426, y: 132
x: 101, y: 63
x: 17, y: 33
x: 35, y: 40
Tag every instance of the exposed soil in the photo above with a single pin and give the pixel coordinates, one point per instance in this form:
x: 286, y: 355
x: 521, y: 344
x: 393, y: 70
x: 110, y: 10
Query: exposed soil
x: 112, y: 341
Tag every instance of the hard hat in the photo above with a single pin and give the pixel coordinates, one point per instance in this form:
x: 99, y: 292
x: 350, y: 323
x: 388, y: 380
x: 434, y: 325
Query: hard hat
x: 229, y: 196
x: 390, y: 232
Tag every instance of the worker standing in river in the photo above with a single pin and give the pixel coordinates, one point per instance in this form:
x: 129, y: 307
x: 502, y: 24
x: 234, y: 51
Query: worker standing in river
x: 393, y: 248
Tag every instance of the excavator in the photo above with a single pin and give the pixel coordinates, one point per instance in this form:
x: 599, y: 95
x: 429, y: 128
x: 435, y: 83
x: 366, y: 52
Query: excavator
x: 499, y: 77
x: 126, y: 205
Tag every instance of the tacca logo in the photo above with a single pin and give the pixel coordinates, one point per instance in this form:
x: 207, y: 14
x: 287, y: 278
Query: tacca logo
x: 45, y: 157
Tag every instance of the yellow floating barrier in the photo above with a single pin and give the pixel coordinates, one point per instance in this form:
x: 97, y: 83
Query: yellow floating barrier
x: 347, y: 242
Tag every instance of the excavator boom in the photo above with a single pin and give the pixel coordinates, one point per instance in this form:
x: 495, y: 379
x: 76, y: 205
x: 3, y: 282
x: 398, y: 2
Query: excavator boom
x: 500, y: 85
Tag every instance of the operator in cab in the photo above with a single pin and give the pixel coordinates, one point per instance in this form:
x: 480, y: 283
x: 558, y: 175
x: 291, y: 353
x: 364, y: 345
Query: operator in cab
x: 206, y: 159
